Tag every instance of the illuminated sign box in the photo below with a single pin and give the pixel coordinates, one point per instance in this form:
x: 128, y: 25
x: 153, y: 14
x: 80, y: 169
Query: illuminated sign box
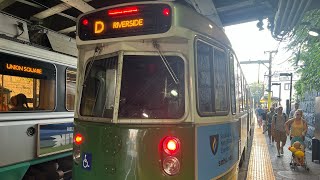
x: 125, y: 21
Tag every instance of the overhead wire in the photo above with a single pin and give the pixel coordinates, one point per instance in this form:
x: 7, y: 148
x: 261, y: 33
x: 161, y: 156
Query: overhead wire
x: 291, y: 54
x: 277, y: 49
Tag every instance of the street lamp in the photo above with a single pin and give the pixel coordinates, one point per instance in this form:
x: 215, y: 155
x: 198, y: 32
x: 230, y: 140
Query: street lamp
x: 278, y: 84
x: 288, y: 74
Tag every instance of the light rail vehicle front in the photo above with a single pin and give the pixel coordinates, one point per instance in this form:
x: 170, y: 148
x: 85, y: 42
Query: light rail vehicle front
x: 160, y: 95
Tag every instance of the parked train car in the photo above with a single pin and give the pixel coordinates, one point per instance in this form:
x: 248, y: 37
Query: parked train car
x: 160, y: 95
x: 37, y: 92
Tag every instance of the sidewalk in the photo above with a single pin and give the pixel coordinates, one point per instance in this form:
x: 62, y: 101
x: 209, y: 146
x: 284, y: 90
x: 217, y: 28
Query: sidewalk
x: 281, y: 167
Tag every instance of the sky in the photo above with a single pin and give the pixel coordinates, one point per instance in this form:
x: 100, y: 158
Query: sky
x: 250, y: 44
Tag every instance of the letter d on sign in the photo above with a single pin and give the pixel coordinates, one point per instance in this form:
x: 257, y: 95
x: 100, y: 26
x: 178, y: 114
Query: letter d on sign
x: 98, y: 27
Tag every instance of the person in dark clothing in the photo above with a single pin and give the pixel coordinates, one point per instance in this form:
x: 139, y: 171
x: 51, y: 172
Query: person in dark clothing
x: 264, y: 120
x: 259, y: 113
x: 20, y: 103
x: 269, y: 123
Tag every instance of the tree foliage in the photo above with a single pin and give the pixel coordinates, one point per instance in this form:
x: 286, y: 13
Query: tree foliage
x: 307, y: 49
x: 257, y: 91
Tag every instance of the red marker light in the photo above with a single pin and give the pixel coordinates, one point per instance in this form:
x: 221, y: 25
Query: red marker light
x: 166, y: 11
x: 121, y: 11
x: 171, y: 145
x: 78, y: 139
x: 85, y: 22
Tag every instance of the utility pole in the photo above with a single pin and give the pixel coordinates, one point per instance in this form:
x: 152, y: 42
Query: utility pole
x: 256, y: 62
x: 270, y: 75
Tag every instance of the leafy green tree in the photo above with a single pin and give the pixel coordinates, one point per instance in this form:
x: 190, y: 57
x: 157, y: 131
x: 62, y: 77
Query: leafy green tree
x: 257, y: 92
x: 307, y: 49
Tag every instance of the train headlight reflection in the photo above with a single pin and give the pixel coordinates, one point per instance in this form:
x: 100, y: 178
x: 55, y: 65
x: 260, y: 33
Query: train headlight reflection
x: 171, y: 165
x: 145, y: 115
x: 76, y: 155
x: 174, y: 93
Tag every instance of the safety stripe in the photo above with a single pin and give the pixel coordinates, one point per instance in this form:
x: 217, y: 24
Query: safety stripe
x: 260, y: 166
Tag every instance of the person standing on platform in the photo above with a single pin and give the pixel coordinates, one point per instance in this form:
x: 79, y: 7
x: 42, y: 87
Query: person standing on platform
x: 297, y: 127
x: 269, y: 123
x: 296, y: 107
x: 278, y: 129
x: 259, y: 113
x: 264, y: 120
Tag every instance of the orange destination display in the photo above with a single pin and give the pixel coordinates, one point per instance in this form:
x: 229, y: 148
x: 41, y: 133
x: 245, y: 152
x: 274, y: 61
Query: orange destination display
x: 21, y: 68
x: 125, y: 21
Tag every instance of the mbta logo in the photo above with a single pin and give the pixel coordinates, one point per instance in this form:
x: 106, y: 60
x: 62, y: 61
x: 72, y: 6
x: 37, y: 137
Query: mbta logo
x: 214, y: 143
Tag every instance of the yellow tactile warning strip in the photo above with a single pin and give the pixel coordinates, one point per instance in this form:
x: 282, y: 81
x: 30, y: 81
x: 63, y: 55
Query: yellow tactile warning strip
x: 260, y: 166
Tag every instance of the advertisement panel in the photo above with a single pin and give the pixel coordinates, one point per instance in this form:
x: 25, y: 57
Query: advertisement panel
x: 217, y: 149
x: 54, y: 138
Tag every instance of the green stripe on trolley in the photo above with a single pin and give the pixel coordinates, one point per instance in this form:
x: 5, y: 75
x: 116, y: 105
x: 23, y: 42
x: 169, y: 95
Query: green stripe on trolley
x: 17, y: 171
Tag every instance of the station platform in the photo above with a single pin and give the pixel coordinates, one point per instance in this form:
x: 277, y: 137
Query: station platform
x: 263, y: 163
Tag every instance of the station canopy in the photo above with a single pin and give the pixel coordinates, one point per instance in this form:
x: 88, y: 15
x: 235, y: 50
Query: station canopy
x: 60, y: 15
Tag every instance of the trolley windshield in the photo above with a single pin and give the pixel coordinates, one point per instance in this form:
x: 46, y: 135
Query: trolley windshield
x: 148, y: 88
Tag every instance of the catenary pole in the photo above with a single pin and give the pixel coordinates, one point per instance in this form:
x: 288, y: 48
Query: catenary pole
x: 270, y: 75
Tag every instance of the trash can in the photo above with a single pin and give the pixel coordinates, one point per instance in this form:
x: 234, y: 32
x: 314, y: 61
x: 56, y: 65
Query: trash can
x: 315, y: 149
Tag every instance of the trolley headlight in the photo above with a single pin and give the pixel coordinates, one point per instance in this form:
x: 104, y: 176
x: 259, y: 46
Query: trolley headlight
x: 171, y: 165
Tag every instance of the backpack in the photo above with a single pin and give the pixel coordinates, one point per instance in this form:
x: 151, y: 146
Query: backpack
x: 275, y: 117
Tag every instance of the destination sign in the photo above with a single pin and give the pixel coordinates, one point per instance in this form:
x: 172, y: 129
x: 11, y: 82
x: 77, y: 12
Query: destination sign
x: 21, y: 68
x: 125, y: 21
x: 100, y: 26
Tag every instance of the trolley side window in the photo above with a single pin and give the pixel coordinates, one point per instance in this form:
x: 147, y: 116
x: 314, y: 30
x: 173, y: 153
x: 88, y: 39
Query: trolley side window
x: 248, y: 97
x: 244, y: 94
x: 26, y: 85
x: 237, y: 74
x: 239, y: 96
x: 211, y: 80
x: 71, y: 75
x: 232, y: 85
x: 241, y: 93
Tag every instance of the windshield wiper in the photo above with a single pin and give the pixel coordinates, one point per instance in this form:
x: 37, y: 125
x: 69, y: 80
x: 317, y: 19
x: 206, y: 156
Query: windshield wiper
x: 97, y: 51
x: 165, y: 62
